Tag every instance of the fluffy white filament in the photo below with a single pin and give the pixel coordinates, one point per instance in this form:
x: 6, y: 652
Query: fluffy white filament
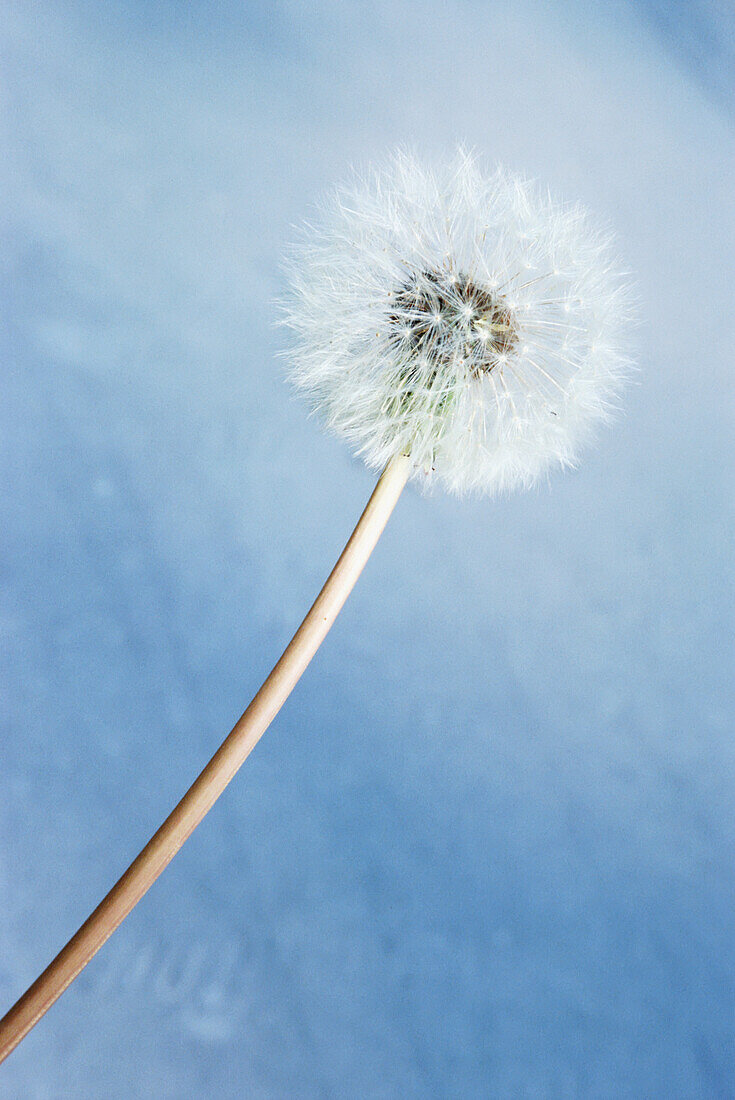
x: 463, y: 318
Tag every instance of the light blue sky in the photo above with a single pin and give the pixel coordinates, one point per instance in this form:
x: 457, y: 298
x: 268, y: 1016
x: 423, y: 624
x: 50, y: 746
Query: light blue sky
x: 487, y: 848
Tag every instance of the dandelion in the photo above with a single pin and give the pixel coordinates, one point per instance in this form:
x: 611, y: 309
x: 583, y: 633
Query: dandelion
x: 466, y: 319
x: 453, y: 327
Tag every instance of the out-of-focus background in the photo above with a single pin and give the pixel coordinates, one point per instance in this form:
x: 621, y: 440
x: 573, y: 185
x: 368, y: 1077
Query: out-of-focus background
x: 487, y: 849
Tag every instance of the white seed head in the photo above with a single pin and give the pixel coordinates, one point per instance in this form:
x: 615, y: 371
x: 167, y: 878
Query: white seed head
x: 462, y: 318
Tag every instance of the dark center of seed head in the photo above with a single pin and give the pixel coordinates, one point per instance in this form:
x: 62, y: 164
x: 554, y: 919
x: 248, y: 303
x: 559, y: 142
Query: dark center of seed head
x: 438, y: 315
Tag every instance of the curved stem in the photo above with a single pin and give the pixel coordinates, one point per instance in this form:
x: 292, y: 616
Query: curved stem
x: 206, y: 789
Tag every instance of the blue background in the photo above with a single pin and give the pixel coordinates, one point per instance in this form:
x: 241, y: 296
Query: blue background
x: 487, y: 849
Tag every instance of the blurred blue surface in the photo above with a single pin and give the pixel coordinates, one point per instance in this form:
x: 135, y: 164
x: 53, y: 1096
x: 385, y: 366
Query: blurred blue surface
x: 487, y: 848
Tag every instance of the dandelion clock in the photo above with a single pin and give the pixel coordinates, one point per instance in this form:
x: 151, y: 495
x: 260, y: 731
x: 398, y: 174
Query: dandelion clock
x: 462, y: 319
x: 457, y: 328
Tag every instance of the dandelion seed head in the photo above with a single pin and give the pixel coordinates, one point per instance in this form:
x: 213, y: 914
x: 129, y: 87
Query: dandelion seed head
x: 461, y: 317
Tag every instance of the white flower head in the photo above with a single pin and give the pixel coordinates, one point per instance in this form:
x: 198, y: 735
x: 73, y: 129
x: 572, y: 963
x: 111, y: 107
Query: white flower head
x: 462, y: 318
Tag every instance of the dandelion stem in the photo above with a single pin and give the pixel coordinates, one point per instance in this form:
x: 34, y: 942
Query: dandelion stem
x: 207, y: 788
